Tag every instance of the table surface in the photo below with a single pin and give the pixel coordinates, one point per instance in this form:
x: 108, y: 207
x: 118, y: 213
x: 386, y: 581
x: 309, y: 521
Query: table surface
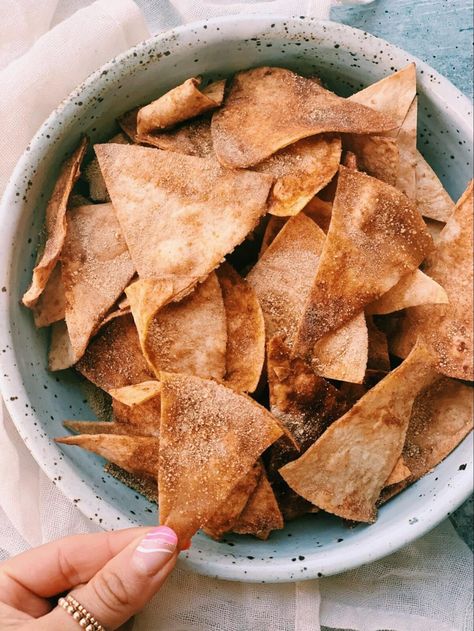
x: 439, y: 32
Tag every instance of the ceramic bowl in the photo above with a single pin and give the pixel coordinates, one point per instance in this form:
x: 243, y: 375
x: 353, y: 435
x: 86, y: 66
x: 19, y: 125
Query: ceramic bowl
x: 38, y: 401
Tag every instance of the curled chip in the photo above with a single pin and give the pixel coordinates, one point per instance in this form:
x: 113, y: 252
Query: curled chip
x: 245, y: 349
x: 135, y: 454
x: 96, y: 268
x: 344, y: 471
x: 179, y: 104
x: 261, y: 514
x: 270, y: 108
x: 187, y: 336
x: 301, y: 170
x: 447, y: 328
x: 192, y: 211
x: 375, y: 237
x: 413, y: 289
x: 210, y: 437
x: 136, y: 394
x: 55, y: 224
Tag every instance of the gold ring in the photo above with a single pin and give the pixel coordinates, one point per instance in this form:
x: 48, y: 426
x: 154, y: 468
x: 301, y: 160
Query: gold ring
x: 80, y: 614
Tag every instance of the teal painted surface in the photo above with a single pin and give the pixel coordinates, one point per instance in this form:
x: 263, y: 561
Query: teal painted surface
x: 438, y: 31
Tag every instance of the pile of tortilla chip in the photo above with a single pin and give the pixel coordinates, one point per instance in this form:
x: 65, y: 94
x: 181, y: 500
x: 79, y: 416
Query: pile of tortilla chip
x: 246, y: 279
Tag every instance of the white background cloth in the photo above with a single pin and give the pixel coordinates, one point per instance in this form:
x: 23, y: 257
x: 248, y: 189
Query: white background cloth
x: 46, y: 49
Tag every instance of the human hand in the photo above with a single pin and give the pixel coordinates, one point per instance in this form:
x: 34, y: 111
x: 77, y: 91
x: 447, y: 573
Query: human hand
x: 111, y: 574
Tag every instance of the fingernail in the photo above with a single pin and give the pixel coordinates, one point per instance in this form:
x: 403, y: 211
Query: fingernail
x: 155, y: 550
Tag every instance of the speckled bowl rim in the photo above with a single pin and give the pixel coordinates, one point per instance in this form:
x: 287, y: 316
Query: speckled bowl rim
x: 332, y: 561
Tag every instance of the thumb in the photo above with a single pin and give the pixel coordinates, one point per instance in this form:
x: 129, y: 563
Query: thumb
x: 126, y: 583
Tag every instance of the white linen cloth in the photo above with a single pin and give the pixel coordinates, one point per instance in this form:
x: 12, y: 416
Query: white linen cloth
x: 46, y: 49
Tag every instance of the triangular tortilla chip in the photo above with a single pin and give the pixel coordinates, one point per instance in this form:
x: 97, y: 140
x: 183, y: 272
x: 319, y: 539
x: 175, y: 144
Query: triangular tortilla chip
x: 301, y: 170
x: 192, y: 211
x: 135, y: 454
x: 55, y: 223
x: 93, y: 175
x: 431, y: 198
x: 245, y: 350
x: 50, y: 306
x: 282, y: 279
x: 188, y: 336
x: 136, y: 394
x: 375, y: 237
x: 230, y: 509
x: 392, y: 95
x: 105, y: 427
x: 413, y: 289
x: 447, y: 328
x: 113, y: 358
x: 343, y: 353
x: 261, y: 515
x: 399, y: 473
x: 210, y: 437
x: 96, y: 268
x: 267, y: 109
x: 344, y: 471
x: 283, y: 276
x: 303, y: 401
x: 378, y: 357
x: 442, y: 415
x: 183, y: 102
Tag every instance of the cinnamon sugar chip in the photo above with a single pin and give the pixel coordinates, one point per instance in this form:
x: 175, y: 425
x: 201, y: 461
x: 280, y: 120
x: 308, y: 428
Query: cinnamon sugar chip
x: 282, y: 279
x: 55, y: 223
x: 432, y: 200
x: 180, y: 215
x: 399, y: 473
x: 261, y: 514
x: 183, y: 102
x: 320, y: 212
x: 442, y: 415
x: 210, y: 437
x: 343, y: 353
x: 50, y: 306
x: 391, y: 158
x: 447, y: 328
x: 413, y: 289
x: 135, y: 454
x: 230, y: 509
x: 188, y: 336
x: 245, y: 350
x: 270, y: 108
x: 301, y: 170
x: 375, y: 237
x: 392, y: 95
x: 105, y: 427
x: 344, y: 471
x: 96, y: 268
x: 113, y: 358
x: 137, y: 393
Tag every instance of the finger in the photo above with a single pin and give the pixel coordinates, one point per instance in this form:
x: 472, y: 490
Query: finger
x: 126, y: 583
x: 27, y: 579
